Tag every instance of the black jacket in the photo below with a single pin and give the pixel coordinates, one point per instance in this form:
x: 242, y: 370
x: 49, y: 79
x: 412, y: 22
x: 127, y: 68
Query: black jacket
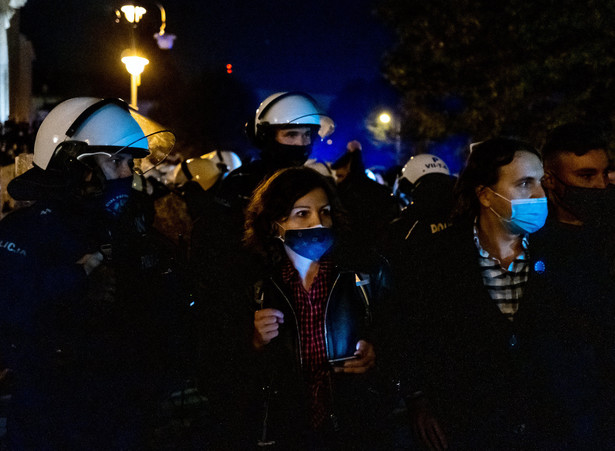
x: 487, y: 377
x: 351, y: 314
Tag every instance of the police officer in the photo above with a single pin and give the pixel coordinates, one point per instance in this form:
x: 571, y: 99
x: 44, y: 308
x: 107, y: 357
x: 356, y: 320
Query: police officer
x: 66, y: 263
x: 425, y: 190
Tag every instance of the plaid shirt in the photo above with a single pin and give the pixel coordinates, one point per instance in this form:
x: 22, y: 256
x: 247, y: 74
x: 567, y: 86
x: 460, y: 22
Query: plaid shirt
x: 505, y: 285
x: 310, y: 309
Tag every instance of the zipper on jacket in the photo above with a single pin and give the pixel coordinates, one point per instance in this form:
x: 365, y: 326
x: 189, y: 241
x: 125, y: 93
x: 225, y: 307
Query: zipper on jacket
x: 296, y: 321
x: 365, y: 298
x: 326, y: 312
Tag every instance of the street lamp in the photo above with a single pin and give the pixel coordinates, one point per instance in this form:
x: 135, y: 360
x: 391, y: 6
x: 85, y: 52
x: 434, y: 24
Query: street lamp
x: 134, y: 65
x: 393, y: 124
x: 133, y: 13
x: 385, y: 118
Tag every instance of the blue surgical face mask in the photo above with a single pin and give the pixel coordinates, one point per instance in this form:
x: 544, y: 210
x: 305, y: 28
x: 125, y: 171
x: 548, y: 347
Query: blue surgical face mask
x: 528, y: 215
x: 311, y: 243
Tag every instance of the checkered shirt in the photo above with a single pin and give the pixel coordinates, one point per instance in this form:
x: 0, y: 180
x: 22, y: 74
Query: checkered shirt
x: 505, y: 285
x: 310, y: 309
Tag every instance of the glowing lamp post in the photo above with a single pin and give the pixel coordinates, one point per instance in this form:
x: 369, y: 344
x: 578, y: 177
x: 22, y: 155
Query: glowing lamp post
x: 134, y: 65
x: 392, y: 123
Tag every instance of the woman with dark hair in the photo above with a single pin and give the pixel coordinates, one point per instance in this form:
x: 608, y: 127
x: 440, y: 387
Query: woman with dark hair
x: 312, y: 328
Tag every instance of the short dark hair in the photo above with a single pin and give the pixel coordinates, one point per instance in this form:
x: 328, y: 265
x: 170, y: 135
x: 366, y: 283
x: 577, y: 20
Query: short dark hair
x: 576, y: 137
x: 273, y: 201
x: 482, y: 169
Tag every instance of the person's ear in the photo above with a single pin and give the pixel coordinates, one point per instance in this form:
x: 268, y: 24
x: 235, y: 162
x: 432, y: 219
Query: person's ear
x: 483, y: 194
x: 548, y: 181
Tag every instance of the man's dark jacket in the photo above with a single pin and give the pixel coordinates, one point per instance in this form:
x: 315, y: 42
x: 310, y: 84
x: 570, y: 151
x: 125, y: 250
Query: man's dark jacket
x: 491, y: 381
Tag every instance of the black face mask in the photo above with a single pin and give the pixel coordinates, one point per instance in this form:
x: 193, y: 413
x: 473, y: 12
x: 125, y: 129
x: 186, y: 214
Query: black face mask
x: 593, y: 206
x: 284, y: 155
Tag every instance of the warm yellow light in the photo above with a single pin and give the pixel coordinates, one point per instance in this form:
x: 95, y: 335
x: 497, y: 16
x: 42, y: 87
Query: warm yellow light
x: 385, y: 118
x: 135, y: 64
x: 133, y: 13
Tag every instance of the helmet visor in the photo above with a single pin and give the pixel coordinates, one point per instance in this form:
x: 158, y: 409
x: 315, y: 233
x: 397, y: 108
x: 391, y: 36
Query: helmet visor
x: 325, y: 124
x: 160, y: 142
x: 149, y: 148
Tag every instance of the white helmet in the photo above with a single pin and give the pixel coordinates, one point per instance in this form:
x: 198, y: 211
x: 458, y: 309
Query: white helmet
x: 423, y: 164
x: 86, y: 126
x: 291, y: 108
x: 226, y: 160
x: 202, y: 170
x: 416, y: 167
x: 105, y: 125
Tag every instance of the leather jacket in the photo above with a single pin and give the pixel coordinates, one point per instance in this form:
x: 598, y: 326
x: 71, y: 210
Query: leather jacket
x: 348, y: 315
x: 352, y: 304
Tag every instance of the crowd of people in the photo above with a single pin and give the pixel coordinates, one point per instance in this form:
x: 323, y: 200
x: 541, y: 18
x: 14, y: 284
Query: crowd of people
x: 282, y: 303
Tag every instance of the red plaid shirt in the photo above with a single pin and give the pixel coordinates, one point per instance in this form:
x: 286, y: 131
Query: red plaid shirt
x: 310, y: 309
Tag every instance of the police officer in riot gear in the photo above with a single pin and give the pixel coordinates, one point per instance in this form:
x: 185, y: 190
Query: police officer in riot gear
x: 425, y: 190
x: 73, y: 324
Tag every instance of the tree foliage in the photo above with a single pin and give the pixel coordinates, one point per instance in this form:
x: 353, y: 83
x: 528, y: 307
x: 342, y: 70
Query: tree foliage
x: 508, y: 67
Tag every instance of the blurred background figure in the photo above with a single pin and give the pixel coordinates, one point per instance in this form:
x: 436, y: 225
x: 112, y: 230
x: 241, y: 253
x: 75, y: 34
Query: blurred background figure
x: 425, y: 191
x: 370, y: 205
x: 226, y: 160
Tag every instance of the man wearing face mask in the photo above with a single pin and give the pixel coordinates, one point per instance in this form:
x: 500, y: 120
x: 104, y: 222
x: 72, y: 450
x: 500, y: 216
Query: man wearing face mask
x: 577, y: 242
x: 73, y: 325
x: 482, y: 344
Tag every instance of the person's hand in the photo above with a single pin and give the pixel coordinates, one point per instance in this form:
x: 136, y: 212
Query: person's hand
x: 266, y: 324
x: 365, y: 359
x: 90, y: 261
x: 425, y: 425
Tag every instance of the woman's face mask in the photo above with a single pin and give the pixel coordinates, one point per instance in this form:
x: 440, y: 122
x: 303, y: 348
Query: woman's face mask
x: 528, y: 215
x: 311, y: 243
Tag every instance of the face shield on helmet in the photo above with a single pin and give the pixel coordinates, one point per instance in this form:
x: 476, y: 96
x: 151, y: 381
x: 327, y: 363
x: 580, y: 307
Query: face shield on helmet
x: 100, y: 127
x: 417, y: 167
x: 82, y: 127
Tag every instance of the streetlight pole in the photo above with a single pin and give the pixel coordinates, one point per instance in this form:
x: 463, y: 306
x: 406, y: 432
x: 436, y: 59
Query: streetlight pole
x: 134, y: 65
x: 394, y: 124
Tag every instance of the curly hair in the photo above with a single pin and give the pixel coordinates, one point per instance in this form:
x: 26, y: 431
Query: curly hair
x: 272, y: 202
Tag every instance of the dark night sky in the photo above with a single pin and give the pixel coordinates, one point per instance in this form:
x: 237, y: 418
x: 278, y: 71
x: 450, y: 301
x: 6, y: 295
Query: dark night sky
x: 317, y: 45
